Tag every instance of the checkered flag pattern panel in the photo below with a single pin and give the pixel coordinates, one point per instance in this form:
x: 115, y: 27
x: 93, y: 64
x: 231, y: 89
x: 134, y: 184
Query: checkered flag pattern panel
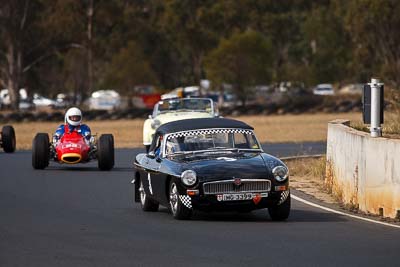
x: 207, y: 131
x: 284, y: 196
x: 186, y: 201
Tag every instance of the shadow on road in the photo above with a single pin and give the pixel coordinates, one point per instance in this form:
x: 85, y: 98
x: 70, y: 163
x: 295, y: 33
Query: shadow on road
x: 86, y: 169
x: 296, y: 216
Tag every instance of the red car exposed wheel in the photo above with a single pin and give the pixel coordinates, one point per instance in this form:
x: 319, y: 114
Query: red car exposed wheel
x: 40, y: 151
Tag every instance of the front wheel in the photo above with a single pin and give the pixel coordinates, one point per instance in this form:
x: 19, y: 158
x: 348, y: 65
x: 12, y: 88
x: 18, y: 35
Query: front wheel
x: 105, y: 152
x: 280, y: 212
x: 8, y: 139
x: 178, y: 209
x: 40, y: 151
x: 146, y: 203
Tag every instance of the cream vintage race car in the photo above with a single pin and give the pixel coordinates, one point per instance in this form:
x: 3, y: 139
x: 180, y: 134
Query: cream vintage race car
x: 176, y: 109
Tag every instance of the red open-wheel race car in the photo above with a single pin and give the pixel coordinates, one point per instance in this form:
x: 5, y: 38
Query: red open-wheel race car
x: 7, y: 139
x: 73, y: 148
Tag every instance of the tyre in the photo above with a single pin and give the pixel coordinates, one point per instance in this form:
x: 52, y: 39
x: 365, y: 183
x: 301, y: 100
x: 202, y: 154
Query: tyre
x: 147, y: 148
x: 280, y: 212
x: 8, y: 139
x: 178, y: 209
x: 105, y: 152
x: 40, y: 151
x: 146, y: 203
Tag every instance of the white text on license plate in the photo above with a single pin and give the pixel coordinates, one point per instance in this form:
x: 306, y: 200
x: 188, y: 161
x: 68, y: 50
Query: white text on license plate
x: 240, y: 196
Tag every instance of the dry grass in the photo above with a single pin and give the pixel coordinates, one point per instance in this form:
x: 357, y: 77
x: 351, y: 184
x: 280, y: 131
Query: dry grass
x: 274, y: 129
x: 307, y: 175
x: 390, y: 128
x: 313, y: 168
x: 392, y: 124
x: 295, y: 128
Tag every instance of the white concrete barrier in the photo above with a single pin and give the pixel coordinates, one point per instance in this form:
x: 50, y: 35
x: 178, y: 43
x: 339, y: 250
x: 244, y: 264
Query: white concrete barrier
x: 363, y: 172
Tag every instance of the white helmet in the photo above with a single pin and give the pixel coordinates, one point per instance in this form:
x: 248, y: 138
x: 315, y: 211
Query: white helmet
x: 73, y: 116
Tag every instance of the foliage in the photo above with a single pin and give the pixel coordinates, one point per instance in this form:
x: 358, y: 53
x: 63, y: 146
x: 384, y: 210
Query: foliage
x: 129, y: 67
x: 328, y: 51
x: 374, y: 27
x: 243, y: 60
x: 73, y: 46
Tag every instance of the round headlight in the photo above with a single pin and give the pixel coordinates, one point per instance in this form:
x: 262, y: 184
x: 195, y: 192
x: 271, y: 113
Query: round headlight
x: 189, y: 177
x: 280, y: 173
x: 155, y: 124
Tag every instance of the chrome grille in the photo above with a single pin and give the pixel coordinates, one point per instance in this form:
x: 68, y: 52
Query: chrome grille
x: 228, y: 186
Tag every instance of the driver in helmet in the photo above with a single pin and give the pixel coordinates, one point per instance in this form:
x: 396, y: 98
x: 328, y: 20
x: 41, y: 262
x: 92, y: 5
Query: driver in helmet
x: 72, y: 122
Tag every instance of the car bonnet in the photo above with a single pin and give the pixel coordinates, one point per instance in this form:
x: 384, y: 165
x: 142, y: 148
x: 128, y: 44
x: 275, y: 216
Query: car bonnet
x: 227, y: 166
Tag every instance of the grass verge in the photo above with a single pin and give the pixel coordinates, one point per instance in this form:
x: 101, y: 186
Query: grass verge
x: 308, y: 175
x: 390, y: 127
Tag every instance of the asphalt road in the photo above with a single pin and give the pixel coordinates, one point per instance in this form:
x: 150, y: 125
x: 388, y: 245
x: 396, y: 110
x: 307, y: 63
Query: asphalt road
x: 79, y: 216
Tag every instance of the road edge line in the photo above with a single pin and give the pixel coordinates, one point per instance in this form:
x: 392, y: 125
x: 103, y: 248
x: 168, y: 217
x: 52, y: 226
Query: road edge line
x: 343, y: 213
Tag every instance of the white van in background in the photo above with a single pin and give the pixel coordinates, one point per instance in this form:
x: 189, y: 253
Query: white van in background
x: 104, y: 100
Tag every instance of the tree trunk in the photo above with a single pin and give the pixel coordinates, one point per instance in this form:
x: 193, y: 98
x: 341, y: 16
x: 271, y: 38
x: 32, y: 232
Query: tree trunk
x: 14, y: 63
x: 90, y: 12
x: 197, y: 62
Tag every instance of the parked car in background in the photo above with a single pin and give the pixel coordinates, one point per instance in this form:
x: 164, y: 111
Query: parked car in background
x: 287, y: 86
x: 211, y: 165
x: 62, y: 101
x: 188, y: 91
x: 42, y: 102
x: 352, y: 89
x: 104, y: 100
x: 176, y: 109
x: 145, y: 96
x: 25, y: 102
x: 323, y: 89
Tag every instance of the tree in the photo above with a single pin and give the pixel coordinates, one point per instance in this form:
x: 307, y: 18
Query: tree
x: 33, y: 31
x: 244, y: 60
x: 17, y: 20
x: 281, y: 22
x: 326, y: 44
x: 128, y: 68
x: 187, y: 23
x: 143, y: 22
x: 375, y: 30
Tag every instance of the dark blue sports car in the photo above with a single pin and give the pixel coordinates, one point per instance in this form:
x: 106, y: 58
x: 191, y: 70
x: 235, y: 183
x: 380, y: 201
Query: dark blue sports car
x: 210, y: 164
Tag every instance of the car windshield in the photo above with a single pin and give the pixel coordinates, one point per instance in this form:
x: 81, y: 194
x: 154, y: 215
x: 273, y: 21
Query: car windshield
x: 194, y: 104
x: 211, y: 141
